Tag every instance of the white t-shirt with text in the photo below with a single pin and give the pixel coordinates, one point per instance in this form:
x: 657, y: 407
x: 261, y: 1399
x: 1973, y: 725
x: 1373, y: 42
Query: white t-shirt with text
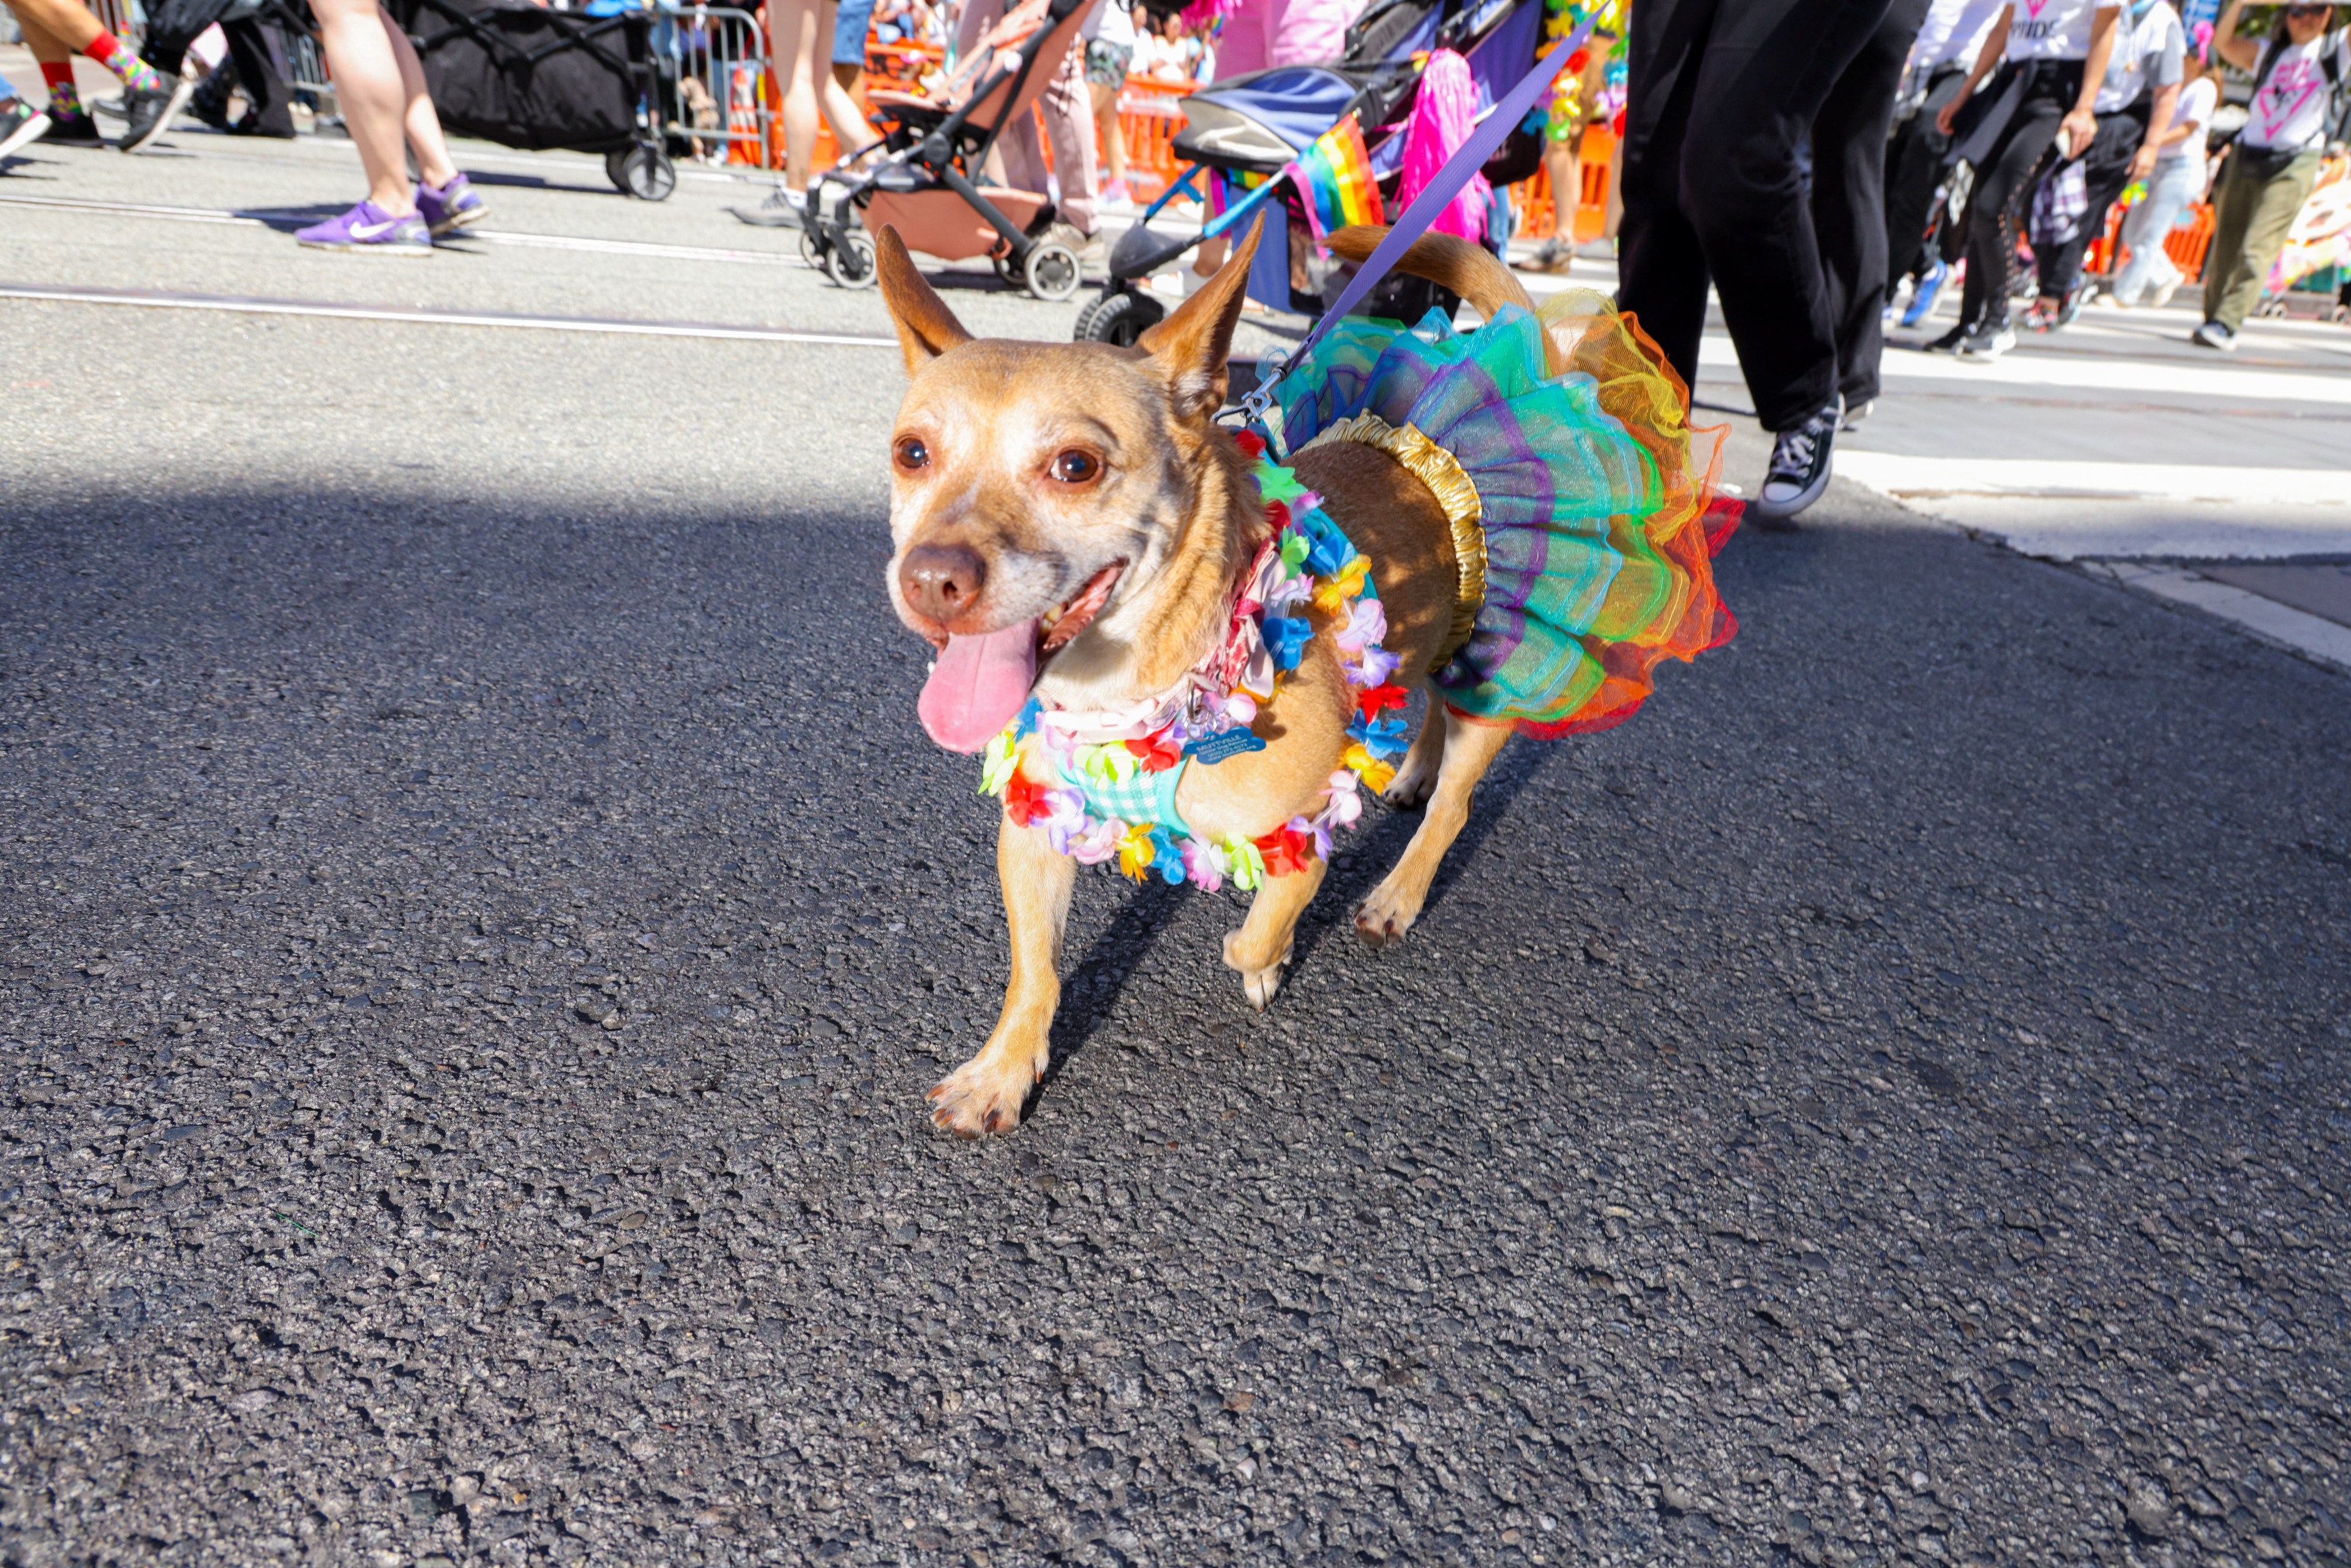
x: 2053, y: 29
x: 2289, y: 111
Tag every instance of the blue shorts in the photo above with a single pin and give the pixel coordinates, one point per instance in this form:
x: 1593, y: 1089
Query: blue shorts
x: 848, y: 32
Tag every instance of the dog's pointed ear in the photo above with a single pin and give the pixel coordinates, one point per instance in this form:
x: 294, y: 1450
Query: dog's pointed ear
x: 1192, y: 344
x: 927, y: 327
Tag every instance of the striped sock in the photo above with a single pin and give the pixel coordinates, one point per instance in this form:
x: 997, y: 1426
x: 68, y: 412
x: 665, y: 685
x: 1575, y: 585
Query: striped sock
x: 64, y: 97
x: 115, y: 56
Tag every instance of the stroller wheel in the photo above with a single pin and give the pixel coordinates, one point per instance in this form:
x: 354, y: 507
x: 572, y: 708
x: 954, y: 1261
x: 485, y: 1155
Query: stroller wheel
x: 613, y: 170
x: 1051, y: 272
x: 647, y: 173
x: 811, y: 247
x: 849, y: 260
x: 1118, y: 315
x: 1006, y: 271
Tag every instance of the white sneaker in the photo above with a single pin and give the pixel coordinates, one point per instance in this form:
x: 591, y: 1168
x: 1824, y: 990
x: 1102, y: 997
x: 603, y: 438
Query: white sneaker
x: 1985, y: 347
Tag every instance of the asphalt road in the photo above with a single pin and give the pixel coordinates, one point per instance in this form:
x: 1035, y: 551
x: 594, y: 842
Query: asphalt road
x: 480, y: 917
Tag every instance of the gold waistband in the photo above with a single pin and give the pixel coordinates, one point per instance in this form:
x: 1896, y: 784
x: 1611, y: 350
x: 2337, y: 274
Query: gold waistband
x: 1456, y: 496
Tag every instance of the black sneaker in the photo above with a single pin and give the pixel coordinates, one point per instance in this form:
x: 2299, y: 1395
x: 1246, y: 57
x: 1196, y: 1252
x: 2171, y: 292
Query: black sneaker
x: 148, y: 114
x: 73, y: 130
x: 1800, y: 467
x: 1949, y: 343
x: 20, y: 123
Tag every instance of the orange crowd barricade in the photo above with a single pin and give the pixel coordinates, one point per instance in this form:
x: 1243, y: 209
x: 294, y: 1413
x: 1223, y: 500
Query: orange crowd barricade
x: 1147, y: 113
x: 2185, y: 245
x: 1531, y: 197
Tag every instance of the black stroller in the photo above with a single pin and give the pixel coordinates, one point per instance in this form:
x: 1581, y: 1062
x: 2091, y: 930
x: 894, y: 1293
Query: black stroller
x: 523, y: 75
x: 1258, y: 123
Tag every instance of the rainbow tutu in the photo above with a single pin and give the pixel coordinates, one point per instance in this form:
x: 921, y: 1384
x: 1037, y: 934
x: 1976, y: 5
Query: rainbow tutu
x: 1598, y: 512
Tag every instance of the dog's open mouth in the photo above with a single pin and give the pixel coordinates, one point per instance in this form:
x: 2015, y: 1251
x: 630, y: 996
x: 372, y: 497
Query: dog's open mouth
x: 1057, y: 626
x: 978, y: 683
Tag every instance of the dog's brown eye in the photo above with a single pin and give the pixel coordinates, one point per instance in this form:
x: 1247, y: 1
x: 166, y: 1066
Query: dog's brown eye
x: 911, y: 453
x: 1075, y: 467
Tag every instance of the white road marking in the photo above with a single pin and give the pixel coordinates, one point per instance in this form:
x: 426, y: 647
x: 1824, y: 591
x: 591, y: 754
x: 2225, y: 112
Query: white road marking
x: 2306, y: 633
x: 2208, y: 383
x: 426, y: 316
x: 1907, y: 477
x: 260, y: 217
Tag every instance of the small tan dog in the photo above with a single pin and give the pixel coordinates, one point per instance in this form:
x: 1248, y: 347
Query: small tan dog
x: 1069, y: 520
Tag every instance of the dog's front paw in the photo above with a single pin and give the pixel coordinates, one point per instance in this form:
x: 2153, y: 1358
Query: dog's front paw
x: 1386, y: 916
x: 1414, y: 782
x: 1259, y: 981
x: 985, y: 1094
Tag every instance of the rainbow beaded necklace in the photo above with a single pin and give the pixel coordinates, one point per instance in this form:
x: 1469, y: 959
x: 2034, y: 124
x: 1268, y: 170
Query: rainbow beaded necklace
x: 1103, y: 784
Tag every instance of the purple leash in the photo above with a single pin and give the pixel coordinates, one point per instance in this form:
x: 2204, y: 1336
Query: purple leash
x: 1467, y: 160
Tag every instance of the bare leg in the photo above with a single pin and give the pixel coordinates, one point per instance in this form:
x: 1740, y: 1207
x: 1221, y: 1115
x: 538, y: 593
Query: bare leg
x: 373, y: 92
x: 1469, y: 749
x: 1260, y: 948
x: 55, y: 30
x: 801, y: 28
x: 1113, y: 131
x: 422, y: 123
x: 986, y: 1093
x: 1565, y: 172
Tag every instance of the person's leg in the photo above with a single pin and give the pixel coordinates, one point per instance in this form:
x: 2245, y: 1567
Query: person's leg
x: 1914, y: 162
x: 2233, y: 210
x: 2002, y: 186
x: 1849, y: 197
x: 419, y: 121
x: 1765, y: 80
x: 2271, y: 215
x: 1662, y: 276
x: 799, y: 34
x: 54, y: 56
x: 2106, y: 170
x: 850, y: 129
x: 373, y: 92
x: 2155, y: 215
x: 271, y: 113
x: 1069, y: 117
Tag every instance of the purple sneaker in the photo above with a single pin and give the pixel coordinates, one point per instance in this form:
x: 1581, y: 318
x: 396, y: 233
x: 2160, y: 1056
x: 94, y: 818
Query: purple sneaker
x: 453, y: 206
x: 370, y: 228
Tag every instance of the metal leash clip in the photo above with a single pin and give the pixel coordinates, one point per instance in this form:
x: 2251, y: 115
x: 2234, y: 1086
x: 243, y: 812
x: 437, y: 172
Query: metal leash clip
x: 1259, y: 400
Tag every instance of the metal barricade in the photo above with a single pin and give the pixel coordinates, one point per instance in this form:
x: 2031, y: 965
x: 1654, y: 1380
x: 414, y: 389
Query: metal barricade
x: 717, y: 94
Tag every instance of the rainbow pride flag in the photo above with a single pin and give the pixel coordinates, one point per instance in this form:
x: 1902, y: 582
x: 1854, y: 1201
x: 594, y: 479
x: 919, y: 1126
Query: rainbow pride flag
x: 1334, y: 176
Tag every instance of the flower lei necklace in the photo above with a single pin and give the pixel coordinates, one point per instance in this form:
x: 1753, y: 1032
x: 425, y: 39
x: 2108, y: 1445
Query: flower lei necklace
x: 1103, y: 784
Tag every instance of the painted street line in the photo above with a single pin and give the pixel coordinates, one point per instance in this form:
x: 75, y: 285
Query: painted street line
x: 427, y: 316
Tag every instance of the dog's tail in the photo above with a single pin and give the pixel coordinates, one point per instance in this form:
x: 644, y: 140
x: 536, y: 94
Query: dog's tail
x: 1469, y: 271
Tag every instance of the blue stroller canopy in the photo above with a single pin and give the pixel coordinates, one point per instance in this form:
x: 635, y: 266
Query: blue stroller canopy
x: 1265, y: 118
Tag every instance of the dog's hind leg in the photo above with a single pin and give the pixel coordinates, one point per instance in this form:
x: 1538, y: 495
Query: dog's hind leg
x: 986, y: 1093
x: 1260, y: 948
x: 1415, y: 776
x: 1468, y: 748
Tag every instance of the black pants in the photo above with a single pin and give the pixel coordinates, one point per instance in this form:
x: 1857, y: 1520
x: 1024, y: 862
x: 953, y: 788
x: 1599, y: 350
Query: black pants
x: 1723, y: 93
x: 2106, y: 170
x: 257, y: 58
x: 1916, y: 156
x: 2004, y: 180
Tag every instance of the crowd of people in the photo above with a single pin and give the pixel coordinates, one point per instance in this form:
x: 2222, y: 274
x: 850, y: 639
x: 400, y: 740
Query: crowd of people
x: 1822, y: 168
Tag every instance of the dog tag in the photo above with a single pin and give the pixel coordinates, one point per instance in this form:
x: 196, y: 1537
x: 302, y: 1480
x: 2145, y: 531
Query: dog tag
x: 1211, y: 749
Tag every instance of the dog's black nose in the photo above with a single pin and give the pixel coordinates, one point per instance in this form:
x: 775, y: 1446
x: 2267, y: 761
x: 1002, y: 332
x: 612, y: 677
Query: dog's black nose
x: 942, y: 582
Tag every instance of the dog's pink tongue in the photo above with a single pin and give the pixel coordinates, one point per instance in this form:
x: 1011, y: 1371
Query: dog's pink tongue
x: 978, y: 686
